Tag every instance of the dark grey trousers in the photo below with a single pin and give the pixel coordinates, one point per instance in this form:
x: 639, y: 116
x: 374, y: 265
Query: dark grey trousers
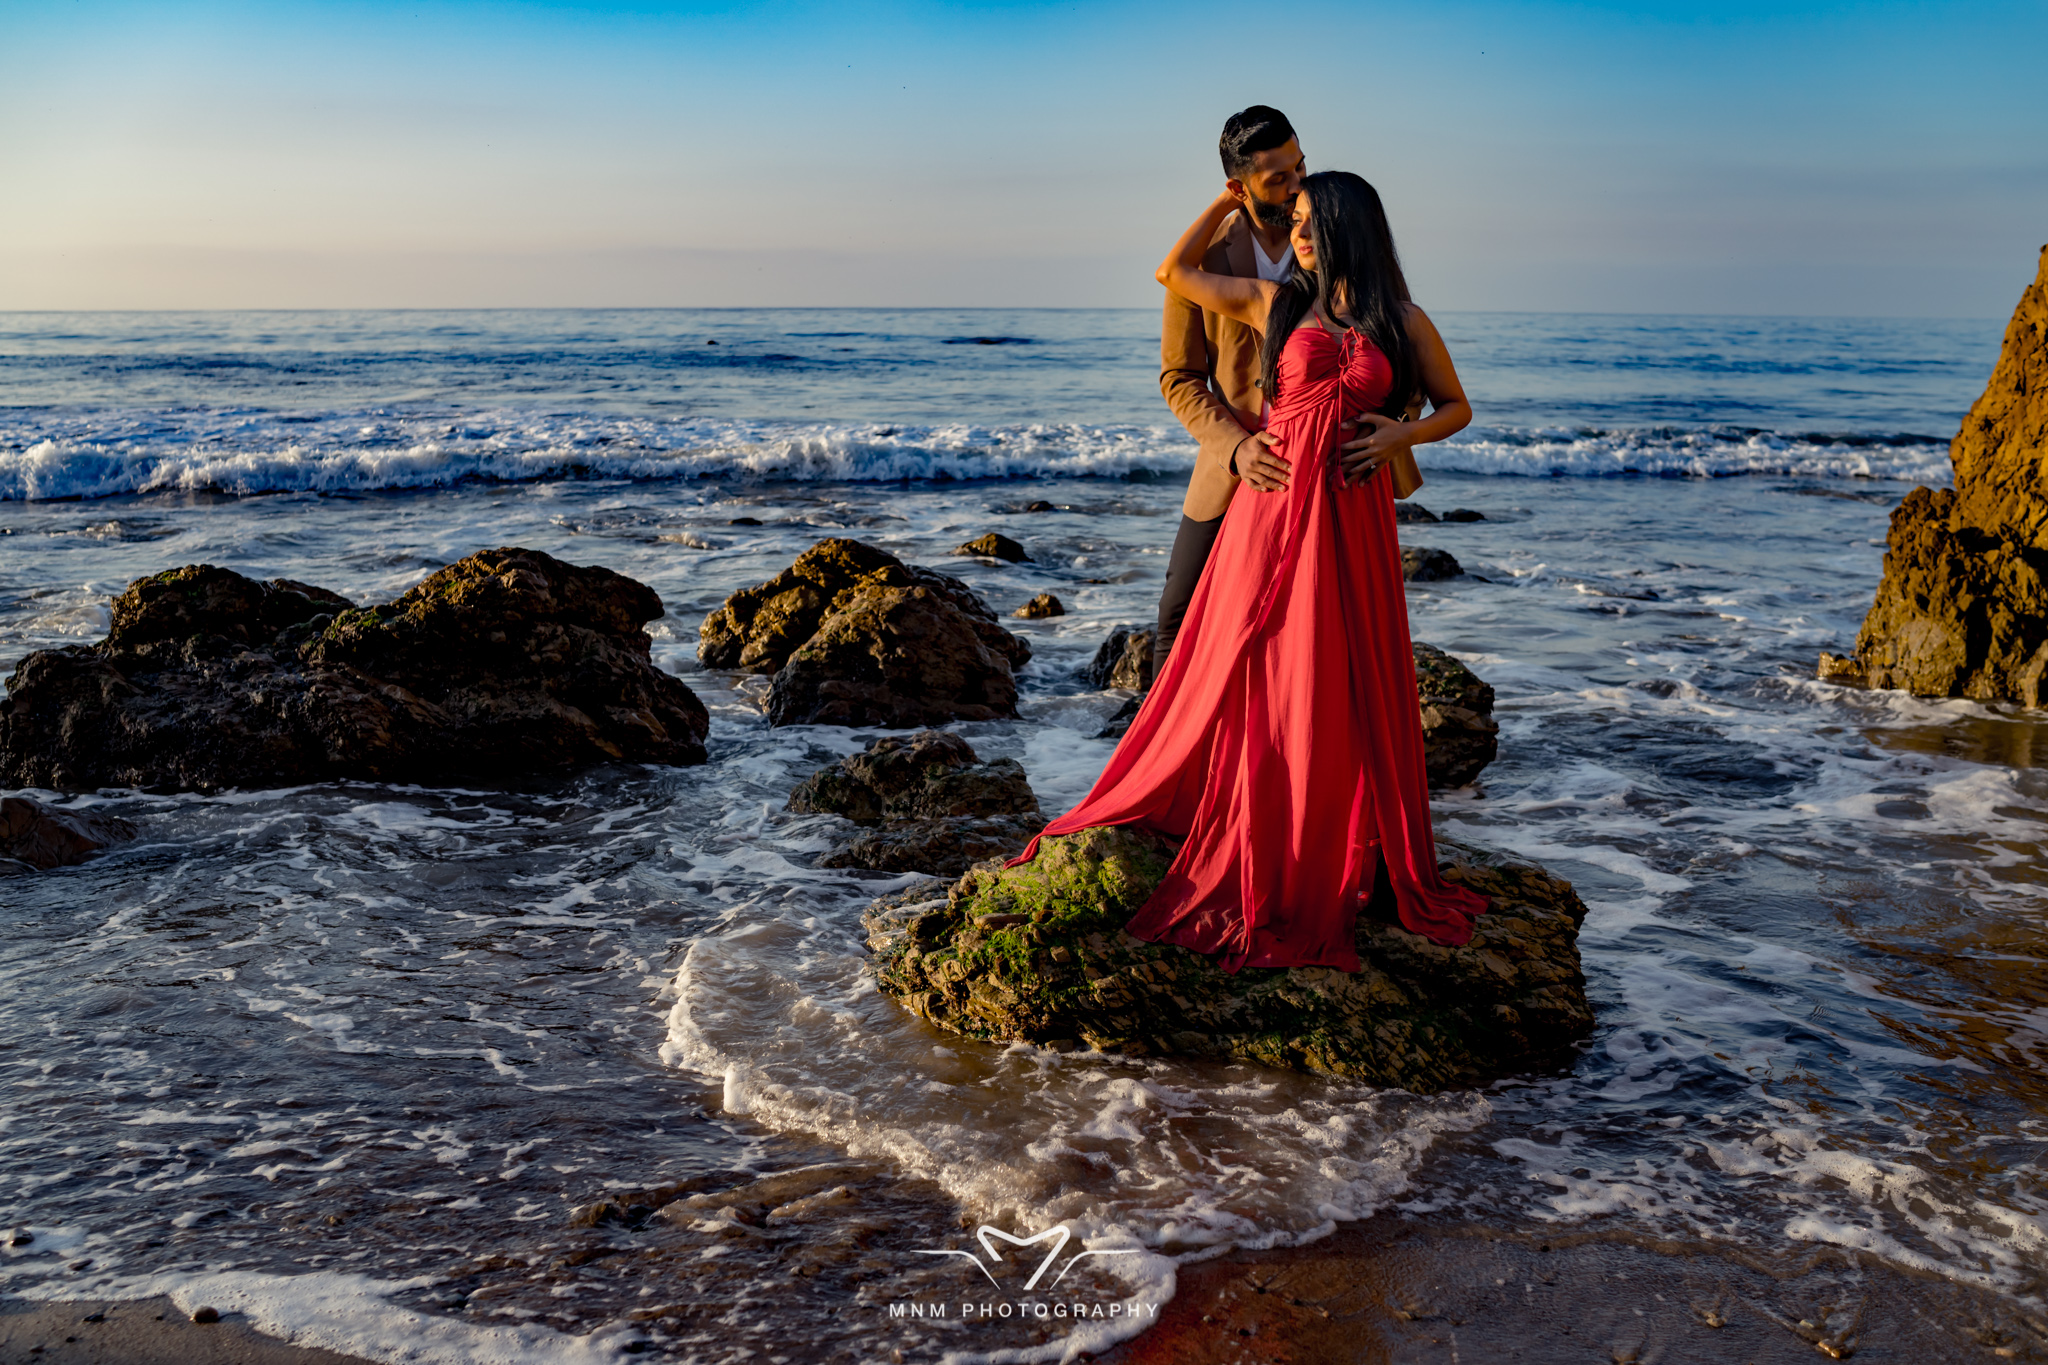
x: 1191, y: 546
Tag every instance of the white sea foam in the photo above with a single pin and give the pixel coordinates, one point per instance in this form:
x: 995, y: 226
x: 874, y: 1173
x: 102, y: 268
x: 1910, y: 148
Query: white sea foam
x: 351, y: 1315
x: 98, y: 455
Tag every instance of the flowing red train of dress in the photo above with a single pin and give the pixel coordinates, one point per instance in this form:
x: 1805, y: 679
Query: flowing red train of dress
x: 1284, y: 738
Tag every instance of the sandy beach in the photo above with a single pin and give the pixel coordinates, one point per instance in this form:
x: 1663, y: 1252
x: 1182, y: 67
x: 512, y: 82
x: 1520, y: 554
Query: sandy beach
x: 139, y: 1332
x: 1391, y: 1290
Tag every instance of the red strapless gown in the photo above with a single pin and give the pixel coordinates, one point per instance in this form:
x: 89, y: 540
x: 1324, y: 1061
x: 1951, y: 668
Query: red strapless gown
x: 1284, y: 739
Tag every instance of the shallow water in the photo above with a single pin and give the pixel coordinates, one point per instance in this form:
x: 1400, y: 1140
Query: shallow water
x: 353, y: 1053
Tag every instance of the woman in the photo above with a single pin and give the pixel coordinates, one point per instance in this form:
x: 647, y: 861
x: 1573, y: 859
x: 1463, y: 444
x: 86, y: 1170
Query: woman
x: 1284, y: 738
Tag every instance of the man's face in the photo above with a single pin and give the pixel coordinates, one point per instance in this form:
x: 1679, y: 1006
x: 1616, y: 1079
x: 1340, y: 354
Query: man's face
x: 1272, y: 182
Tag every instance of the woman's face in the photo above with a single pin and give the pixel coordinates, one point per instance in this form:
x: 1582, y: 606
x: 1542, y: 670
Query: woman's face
x: 1304, y: 245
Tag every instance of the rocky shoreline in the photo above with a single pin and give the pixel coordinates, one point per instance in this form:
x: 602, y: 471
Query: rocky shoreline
x: 1963, y: 608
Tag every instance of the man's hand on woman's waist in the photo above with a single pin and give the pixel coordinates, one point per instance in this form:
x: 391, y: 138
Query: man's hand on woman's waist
x: 1257, y: 462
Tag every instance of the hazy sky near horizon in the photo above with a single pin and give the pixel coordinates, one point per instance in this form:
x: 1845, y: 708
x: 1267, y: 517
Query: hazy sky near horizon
x: 1745, y: 158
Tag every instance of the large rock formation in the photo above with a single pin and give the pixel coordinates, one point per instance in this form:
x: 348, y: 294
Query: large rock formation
x: 1963, y: 608
x: 44, y: 837
x: 925, y: 803
x: 505, y: 664
x: 1039, y: 953
x: 854, y: 636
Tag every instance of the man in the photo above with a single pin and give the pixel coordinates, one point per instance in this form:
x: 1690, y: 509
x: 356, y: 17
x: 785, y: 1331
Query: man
x: 1209, y: 365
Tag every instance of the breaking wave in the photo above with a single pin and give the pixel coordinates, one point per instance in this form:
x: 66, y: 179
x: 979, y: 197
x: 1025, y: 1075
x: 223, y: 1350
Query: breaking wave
x: 92, y: 455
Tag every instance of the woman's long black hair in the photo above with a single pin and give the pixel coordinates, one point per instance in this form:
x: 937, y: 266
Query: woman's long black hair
x: 1356, y: 266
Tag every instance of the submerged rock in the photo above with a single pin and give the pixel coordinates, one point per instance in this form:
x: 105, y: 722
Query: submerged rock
x: 929, y: 805
x: 1963, y: 608
x: 1123, y: 660
x: 505, y: 664
x: 1420, y: 564
x: 994, y: 545
x: 1413, y: 514
x: 45, y: 837
x: 1459, y: 734
x: 1040, y: 607
x: 1119, y: 724
x: 1463, y: 514
x: 854, y: 636
x: 1039, y: 953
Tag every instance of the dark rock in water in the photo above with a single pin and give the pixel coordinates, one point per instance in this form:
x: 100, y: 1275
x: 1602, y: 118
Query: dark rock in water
x: 45, y: 837
x: 896, y: 655
x: 758, y: 628
x: 1463, y: 514
x: 942, y: 848
x: 1120, y: 723
x: 1124, y: 660
x: 1459, y: 736
x: 1041, y: 607
x: 744, y: 521
x: 994, y: 545
x: 1963, y: 608
x: 929, y: 803
x: 930, y: 775
x: 1420, y: 564
x: 1039, y: 953
x: 1412, y: 513
x: 505, y: 664
x: 832, y: 593
x: 1040, y: 506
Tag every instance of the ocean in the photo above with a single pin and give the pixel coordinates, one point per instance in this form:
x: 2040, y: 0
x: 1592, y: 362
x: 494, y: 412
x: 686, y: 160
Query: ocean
x: 350, y: 1058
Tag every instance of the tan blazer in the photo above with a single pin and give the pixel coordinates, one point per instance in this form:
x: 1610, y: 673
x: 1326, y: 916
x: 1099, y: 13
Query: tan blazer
x: 1208, y: 370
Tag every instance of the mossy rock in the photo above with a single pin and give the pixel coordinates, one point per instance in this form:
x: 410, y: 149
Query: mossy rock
x: 1039, y: 953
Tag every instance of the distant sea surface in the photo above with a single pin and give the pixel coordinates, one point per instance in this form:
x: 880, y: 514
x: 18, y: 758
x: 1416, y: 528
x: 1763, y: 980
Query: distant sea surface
x: 96, y: 404
x: 350, y: 1057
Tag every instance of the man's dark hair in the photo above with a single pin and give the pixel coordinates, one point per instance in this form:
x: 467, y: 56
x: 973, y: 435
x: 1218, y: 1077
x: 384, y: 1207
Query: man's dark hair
x: 1248, y: 132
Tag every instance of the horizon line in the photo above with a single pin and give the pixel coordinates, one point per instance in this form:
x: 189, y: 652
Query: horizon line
x: 976, y: 308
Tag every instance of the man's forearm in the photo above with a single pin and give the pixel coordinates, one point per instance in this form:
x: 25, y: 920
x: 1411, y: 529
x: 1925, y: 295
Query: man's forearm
x: 1207, y: 417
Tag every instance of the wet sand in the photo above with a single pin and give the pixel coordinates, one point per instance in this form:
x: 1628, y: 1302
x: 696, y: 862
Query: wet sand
x: 1391, y: 1291
x: 139, y: 1332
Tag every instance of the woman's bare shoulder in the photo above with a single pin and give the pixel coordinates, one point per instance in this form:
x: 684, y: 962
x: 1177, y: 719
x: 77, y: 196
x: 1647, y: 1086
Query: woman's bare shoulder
x: 1412, y: 314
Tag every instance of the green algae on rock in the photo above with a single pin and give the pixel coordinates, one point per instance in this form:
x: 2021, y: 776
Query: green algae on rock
x: 1038, y: 953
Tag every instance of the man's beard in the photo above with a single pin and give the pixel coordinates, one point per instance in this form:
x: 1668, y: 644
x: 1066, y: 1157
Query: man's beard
x: 1272, y: 215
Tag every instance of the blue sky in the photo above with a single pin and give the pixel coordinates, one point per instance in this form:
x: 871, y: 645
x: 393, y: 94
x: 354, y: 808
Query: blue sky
x: 1860, y: 159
